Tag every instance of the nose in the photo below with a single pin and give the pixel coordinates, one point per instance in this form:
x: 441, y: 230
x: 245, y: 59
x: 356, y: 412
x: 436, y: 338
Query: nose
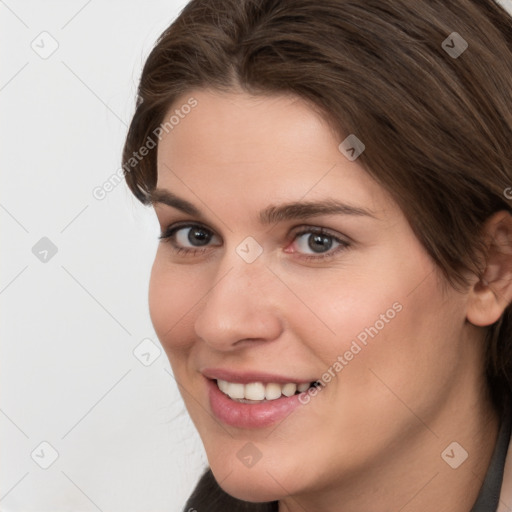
x: 242, y: 305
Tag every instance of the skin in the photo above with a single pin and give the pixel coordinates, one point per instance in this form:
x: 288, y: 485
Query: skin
x: 372, y: 438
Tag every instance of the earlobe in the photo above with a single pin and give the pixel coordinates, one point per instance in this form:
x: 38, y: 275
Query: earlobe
x: 490, y: 295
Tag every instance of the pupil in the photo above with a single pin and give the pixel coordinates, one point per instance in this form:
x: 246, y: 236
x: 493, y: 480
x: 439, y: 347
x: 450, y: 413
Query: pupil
x: 198, y: 236
x: 320, y: 243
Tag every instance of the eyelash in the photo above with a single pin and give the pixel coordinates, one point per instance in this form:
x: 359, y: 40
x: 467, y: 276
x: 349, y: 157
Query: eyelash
x: 168, y: 237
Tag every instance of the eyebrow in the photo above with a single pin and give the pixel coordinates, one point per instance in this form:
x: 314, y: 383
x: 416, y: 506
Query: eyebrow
x: 271, y: 214
x: 160, y: 195
x: 303, y: 210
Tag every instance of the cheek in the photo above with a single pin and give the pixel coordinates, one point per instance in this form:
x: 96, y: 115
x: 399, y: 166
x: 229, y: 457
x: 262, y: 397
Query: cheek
x: 172, y: 296
x: 354, y: 303
x: 408, y: 360
x: 392, y: 319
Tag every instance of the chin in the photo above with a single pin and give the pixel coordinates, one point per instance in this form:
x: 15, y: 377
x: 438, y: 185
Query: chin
x: 251, y: 484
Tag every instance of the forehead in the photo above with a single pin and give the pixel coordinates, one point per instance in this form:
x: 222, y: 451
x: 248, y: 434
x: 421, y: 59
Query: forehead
x: 234, y: 145
x: 231, y: 126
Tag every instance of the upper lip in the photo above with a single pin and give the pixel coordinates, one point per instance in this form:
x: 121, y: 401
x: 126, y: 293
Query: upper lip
x: 246, y: 377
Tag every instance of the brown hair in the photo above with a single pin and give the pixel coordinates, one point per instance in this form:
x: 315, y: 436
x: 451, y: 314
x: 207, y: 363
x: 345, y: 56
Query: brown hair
x: 437, y: 126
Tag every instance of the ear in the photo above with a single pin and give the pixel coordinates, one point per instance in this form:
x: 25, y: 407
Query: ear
x: 489, y: 296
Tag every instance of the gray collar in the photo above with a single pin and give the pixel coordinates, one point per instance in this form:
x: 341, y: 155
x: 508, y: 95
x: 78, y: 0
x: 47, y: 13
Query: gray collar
x: 489, y: 496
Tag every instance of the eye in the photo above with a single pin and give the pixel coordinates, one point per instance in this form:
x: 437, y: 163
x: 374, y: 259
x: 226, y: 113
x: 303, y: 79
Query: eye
x: 195, y: 236
x: 189, y: 238
x: 316, y: 242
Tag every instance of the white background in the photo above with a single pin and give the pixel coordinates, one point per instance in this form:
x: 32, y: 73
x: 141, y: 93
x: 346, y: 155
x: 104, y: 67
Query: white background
x: 70, y: 324
x: 68, y: 375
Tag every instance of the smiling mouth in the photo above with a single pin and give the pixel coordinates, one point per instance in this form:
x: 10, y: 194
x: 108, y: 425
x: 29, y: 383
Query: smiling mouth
x: 258, y: 392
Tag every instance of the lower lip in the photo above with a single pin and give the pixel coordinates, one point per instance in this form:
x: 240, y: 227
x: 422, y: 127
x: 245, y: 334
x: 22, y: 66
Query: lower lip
x: 242, y: 415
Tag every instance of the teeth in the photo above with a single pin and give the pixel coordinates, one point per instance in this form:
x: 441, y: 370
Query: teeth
x: 253, y: 391
x: 257, y: 391
x: 272, y: 391
x: 223, y: 386
x: 235, y: 390
x: 289, y: 389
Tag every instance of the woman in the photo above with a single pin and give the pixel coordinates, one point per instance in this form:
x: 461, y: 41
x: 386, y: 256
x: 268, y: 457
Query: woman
x: 332, y: 286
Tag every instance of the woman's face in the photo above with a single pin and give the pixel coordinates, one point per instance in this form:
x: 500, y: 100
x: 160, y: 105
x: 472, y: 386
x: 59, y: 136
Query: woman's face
x: 290, y: 261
